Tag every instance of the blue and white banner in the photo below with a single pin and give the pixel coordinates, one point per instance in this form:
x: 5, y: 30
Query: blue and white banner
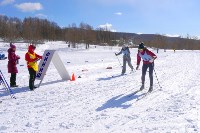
x: 1, y: 80
x: 48, y: 56
x: 4, y: 83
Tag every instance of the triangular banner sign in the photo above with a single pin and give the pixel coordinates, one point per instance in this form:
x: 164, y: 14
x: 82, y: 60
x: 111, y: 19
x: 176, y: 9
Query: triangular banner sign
x: 48, y: 56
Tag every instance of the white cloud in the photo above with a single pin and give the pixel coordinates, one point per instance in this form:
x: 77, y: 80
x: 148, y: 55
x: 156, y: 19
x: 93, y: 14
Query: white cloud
x: 6, y: 2
x: 118, y: 13
x: 107, y: 27
x: 41, y: 15
x: 169, y: 35
x: 29, y: 7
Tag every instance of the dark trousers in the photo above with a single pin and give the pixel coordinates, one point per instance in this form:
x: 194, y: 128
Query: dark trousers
x: 144, y: 70
x: 32, y: 74
x: 13, y: 79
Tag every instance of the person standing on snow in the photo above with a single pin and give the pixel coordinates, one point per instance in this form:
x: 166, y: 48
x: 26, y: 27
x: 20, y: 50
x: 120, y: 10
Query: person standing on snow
x: 126, y: 58
x: 31, y: 57
x: 148, y: 58
x: 12, y: 65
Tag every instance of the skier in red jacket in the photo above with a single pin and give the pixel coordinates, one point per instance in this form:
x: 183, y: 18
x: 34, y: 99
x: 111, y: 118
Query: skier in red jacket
x: 148, y: 58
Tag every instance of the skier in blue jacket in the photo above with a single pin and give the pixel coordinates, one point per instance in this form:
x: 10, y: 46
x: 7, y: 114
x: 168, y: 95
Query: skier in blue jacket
x: 126, y: 58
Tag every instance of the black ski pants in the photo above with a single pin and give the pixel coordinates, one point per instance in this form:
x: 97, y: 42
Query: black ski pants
x: 144, y: 70
x: 13, y: 79
x: 32, y: 74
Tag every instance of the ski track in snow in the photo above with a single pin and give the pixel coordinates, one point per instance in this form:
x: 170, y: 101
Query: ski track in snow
x: 99, y: 101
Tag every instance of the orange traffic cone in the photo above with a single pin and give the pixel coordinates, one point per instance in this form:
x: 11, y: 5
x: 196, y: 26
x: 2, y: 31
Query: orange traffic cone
x: 73, y: 77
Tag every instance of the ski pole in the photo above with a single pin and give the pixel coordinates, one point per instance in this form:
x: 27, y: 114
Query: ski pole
x: 134, y: 69
x: 119, y: 62
x: 157, y: 79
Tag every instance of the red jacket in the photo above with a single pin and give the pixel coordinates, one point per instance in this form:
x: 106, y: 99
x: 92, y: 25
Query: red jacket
x: 142, y: 53
x: 28, y: 58
x: 12, y: 61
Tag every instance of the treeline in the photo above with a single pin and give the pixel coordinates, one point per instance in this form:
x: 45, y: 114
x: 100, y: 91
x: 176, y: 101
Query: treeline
x: 161, y: 41
x: 35, y: 30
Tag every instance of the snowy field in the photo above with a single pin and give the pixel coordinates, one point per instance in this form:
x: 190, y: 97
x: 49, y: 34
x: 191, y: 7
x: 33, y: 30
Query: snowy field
x: 99, y: 101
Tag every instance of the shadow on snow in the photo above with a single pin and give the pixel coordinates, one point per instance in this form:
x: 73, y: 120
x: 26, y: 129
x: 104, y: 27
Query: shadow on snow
x: 109, y: 78
x: 52, y: 82
x: 119, y: 102
x: 4, y: 92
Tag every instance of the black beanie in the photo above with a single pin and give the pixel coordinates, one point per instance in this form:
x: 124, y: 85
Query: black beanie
x: 141, y: 46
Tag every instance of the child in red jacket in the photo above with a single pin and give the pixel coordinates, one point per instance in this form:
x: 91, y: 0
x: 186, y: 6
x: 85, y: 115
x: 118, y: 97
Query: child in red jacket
x: 12, y: 65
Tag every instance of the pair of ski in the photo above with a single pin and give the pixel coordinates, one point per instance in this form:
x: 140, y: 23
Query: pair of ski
x: 142, y: 96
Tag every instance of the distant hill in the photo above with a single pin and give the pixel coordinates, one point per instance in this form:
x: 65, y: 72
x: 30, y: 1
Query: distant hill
x: 161, y: 41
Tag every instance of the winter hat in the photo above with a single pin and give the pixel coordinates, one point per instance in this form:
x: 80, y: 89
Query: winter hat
x: 141, y: 46
x: 31, y: 48
x: 12, y: 46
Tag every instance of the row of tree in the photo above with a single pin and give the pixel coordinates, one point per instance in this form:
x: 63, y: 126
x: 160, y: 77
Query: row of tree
x: 35, y: 30
x: 39, y: 30
x: 164, y: 42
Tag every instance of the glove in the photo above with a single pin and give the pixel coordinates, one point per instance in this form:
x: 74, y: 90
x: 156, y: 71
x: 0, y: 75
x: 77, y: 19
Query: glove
x: 151, y: 61
x: 18, y: 57
x: 137, y: 67
x: 115, y: 54
x: 36, y: 59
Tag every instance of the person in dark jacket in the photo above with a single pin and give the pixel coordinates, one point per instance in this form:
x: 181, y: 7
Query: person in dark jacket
x: 148, y: 58
x: 126, y: 58
x: 12, y: 65
x: 31, y: 57
x: 2, y: 57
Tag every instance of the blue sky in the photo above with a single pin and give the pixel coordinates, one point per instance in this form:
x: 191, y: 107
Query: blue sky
x: 173, y: 17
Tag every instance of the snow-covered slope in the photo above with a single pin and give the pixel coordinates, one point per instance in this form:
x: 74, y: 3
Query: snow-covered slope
x: 99, y: 101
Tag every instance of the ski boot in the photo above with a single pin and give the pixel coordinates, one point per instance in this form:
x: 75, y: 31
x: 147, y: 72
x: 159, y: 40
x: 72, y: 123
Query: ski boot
x: 150, y: 89
x: 142, y: 87
x: 14, y: 85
